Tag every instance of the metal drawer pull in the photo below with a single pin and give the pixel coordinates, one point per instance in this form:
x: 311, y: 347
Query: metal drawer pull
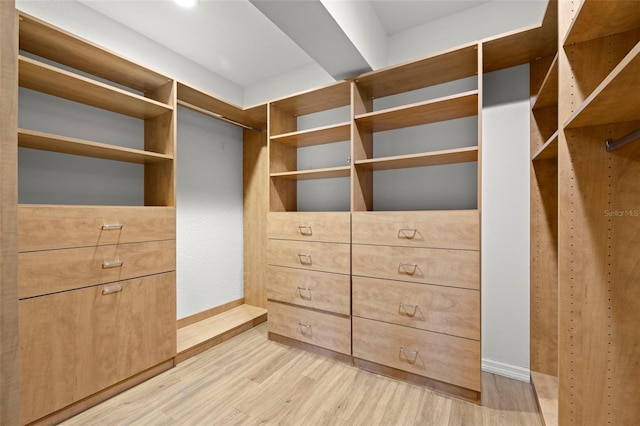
x: 305, y: 230
x: 409, y: 352
x: 107, y: 264
x: 404, y: 233
x: 303, y: 326
x: 403, y: 307
x: 111, y: 290
x: 413, y: 267
x: 304, y: 289
x: 305, y: 259
x: 112, y: 226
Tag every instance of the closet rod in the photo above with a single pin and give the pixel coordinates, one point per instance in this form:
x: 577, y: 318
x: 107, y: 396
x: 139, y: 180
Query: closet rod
x: 613, y: 145
x: 213, y: 114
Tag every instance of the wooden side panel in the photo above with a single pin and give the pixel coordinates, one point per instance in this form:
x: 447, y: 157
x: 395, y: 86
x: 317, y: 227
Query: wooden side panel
x: 255, y: 176
x: 76, y: 343
x: 328, y: 331
x: 310, y: 226
x: 459, y: 229
x: 325, y: 257
x: 9, y: 378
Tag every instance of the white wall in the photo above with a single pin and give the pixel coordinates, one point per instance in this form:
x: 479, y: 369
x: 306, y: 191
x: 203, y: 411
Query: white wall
x: 505, y: 223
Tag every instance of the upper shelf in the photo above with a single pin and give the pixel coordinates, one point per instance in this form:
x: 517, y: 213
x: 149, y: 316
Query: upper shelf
x: 321, y: 135
x: 616, y: 99
x: 332, y: 96
x: 49, y: 42
x: 441, y: 109
x: 436, y: 158
x: 548, y: 93
x: 597, y: 18
x: 326, y: 173
x: 440, y: 68
x: 549, y: 150
x: 48, y: 142
x: 45, y: 78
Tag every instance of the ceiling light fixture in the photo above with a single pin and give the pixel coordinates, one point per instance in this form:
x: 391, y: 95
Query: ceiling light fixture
x: 187, y: 3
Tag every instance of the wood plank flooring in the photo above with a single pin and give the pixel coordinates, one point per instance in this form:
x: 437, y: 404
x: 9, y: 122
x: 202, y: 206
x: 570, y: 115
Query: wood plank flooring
x: 249, y: 380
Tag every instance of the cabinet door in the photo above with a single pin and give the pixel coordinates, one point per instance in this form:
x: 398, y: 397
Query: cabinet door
x: 76, y: 343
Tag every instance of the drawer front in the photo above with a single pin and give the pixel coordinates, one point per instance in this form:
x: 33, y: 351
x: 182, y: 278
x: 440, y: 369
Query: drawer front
x: 446, y: 358
x: 326, y: 257
x: 455, y: 268
x: 318, y: 290
x: 449, y: 310
x: 44, y: 272
x: 332, y: 227
x: 55, y: 227
x: 325, y: 330
x: 76, y: 343
x: 455, y: 229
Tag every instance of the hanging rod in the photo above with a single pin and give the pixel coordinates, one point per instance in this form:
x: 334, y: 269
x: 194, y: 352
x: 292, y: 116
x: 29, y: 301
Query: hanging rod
x: 613, y: 145
x: 214, y: 115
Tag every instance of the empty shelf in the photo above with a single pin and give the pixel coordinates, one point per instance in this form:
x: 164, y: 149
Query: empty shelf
x: 450, y: 156
x: 549, y: 150
x: 596, y: 18
x: 546, y: 389
x: 332, y: 96
x: 321, y: 135
x: 548, y: 93
x: 331, y: 172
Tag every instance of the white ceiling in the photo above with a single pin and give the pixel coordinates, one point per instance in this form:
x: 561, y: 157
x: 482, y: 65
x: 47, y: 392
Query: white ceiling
x: 234, y: 39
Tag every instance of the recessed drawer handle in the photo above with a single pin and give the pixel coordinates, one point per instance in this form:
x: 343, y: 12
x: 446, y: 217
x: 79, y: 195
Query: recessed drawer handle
x: 406, y: 352
x: 305, y: 293
x: 305, y: 259
x: 108, y: 264
x: 111, y: 290
x: 112, y: 226
x: 408, y: 268
x: 408, y: 233
x: 305, y: 230
x: 404, y: 306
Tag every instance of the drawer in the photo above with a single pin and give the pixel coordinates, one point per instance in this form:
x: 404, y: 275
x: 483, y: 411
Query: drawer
x: 76, y: 343
x: 332, y: 227
x: 326, y: 257
x: 328, y: 331
x: 455, y: 268
x: 43, y: 272
x: 448, y: 310
x: 54, y: 227
x: 438, y: 356
x: 318, y: 290
x: 455, y: 229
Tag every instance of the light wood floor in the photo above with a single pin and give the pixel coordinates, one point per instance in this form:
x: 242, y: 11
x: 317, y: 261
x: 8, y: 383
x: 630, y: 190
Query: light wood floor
x: 249, y: 380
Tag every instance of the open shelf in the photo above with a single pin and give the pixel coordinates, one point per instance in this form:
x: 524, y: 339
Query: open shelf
x: 549, y: 150
x: 44, y: 40
x: 321, y: 135
x: 546, y: 388
x: 597, y: 18
x: 48, y: 142
x: 333, y: 96
x: 432, y: 111
x: 449, y: 156
x: 45, y: 78
x: 436, y: 69
x: 330, y: 172
x: 616, y: 99
x: 548, y: 94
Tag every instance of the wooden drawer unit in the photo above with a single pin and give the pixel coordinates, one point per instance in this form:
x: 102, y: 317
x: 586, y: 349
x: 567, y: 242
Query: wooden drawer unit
x: 54, y: 227
x: 456, y: 268
x: 326, y: 257
x: 448, y: 310
x: 318, y: 290
x: 44, y: 272
x: 327, y: 331
x: 333, y: 227
x: 456, y: 229
x: 76, y: 343
x: 445, y: 358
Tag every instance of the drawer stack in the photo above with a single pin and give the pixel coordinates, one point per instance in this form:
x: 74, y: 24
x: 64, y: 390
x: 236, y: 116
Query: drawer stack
x: 416, y: 297
x: 308, y: 279
x: 97, y: 300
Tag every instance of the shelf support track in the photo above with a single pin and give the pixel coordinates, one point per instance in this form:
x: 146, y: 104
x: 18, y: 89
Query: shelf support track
x: 631, y: 137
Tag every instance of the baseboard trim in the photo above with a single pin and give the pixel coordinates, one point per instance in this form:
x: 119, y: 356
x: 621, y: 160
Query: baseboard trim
x: 200, y: 316
x: 507, y: 370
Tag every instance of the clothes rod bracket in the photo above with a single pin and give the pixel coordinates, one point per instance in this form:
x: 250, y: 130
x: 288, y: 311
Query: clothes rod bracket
x: 611, y: 145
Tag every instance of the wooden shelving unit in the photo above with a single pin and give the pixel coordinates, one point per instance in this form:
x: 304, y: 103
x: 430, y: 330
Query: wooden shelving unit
x: 548, y: 94
x: 596, y: 19
x: 326, y: 173
x: 318, y: 136
x: 547, y: 151
x: 437, y: 158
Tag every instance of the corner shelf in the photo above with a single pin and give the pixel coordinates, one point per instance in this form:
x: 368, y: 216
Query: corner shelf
x: 318, y: 136
x: 333, y: 96
x: 596, y: 19
x: 330, y: 172
x: 549, y: 150
x: 616, y: 98
x: 449, y: 156
x: 432, y: 111
x: 47, y: 79
x: 48, y: 142
x: 548, y: 94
